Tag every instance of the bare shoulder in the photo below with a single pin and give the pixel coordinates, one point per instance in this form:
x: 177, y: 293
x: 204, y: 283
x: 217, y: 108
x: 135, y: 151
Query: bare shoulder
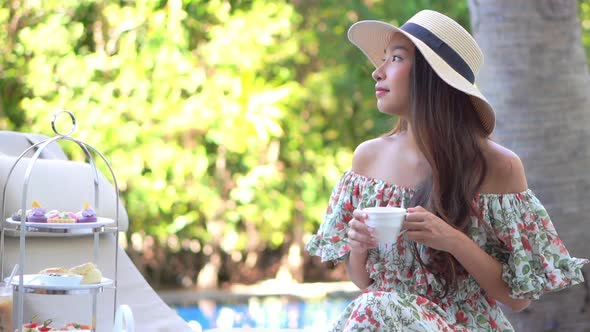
x: 369, y: 155
x: 364, y: 154
x: 506, y: 172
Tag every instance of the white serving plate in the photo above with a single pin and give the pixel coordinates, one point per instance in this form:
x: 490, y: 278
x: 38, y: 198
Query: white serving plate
x: 35, y: 281
x: 100, y: 221
x: 59, y: 279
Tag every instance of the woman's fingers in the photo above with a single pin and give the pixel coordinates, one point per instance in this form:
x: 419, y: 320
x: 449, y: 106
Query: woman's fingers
x: 359, y: 215
x: 359, y: 231
x: 415, y: 221
x: 418, y: 216
x: 417, y: 208
x: 358, y: 222
x: 414, y: 226
x: 361, y: 235
x: 416, y: 236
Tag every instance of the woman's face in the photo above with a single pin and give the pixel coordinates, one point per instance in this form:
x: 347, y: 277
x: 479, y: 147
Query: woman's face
x: 393, y: 77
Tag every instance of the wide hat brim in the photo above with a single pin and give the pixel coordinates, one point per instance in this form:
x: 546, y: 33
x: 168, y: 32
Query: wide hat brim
x: 373, y: 37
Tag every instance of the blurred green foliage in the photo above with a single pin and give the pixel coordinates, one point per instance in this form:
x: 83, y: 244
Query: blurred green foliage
x: 225, y: 120
x: 584, y: 10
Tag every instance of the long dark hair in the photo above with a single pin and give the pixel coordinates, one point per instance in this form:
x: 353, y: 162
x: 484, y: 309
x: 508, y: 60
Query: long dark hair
x: 446, y: 128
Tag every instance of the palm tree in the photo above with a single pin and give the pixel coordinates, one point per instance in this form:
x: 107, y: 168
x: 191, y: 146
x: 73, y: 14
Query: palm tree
x: 536, y: 77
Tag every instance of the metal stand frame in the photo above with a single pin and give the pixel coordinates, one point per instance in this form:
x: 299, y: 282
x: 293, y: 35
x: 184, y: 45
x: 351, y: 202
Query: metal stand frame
x: 23, y: 228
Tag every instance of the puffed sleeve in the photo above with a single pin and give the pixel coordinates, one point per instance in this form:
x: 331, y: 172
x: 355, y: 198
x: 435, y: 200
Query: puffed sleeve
x: 331, y: 241
x: 535, y: 260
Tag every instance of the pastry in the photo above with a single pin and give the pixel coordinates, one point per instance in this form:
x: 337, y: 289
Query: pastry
x: 76, y: 327
x: 93, y: 276
x: 83, y: 268
x: 45, y: 329
x: 30, y: 327
x: 62, y: 218
x: 86, y: 215
x: 38, y: 327
x: 52, y: 270
x: 89, y: 271
x: 37, y: 213
x: 16, y: 216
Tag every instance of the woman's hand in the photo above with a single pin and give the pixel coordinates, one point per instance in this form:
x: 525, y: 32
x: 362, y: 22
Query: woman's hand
x: 422, y: 226
x: 361, y: 237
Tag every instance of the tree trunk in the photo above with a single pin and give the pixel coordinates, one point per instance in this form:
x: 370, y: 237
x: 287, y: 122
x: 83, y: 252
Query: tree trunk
x: 536, y: 77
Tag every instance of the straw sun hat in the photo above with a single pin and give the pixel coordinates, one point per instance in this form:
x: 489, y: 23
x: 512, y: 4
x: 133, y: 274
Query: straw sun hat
x: 449, y: 49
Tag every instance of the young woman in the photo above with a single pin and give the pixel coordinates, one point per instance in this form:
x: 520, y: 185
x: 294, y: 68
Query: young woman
x: 476, y: 235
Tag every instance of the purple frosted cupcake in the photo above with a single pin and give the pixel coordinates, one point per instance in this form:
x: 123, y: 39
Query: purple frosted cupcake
x: 87, y: 215
x: 37, y: 213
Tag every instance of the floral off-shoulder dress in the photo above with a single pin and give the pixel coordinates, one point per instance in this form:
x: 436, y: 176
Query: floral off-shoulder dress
x: 513, y: 228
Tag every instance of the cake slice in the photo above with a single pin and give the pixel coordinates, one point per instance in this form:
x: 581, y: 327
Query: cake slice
x: 89, y: 271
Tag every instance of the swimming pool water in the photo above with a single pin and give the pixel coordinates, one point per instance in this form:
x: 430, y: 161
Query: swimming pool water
x: 265, y: 312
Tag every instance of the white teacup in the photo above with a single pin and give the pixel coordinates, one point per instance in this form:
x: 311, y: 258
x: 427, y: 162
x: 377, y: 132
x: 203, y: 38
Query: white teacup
x: 387, y: 222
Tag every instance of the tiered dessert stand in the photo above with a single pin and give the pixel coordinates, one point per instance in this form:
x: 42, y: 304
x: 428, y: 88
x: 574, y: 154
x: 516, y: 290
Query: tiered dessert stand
x: 22, y: 284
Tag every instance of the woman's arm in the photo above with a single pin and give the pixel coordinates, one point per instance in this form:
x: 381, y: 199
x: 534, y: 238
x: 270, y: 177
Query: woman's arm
x: 485, y: 269
x: 357, y: 271
x: 424, y: 227
x: 427, y: 229
x: 361, y: 239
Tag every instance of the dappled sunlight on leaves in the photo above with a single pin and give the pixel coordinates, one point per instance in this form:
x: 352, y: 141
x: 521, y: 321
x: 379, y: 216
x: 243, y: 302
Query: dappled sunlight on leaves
x: 227, y: 122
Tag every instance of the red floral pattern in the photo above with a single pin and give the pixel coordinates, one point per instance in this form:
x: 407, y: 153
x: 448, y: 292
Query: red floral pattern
x: 514, y: 228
